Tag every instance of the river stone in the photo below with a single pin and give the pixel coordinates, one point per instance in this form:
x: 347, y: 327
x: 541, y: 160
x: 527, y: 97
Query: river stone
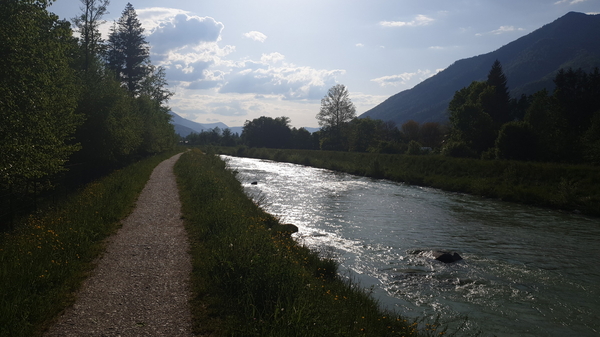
x: 290, y: 228
x: 446, y: 257
x: 285, y: 228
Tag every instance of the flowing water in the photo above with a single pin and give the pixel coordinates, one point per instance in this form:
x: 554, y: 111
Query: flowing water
x: 525, y: 271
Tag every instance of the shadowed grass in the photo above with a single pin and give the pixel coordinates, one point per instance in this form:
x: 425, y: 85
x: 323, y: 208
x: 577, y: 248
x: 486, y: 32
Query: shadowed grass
x: 44, y: 261
x: 559, y: 186
x: 251, y: 280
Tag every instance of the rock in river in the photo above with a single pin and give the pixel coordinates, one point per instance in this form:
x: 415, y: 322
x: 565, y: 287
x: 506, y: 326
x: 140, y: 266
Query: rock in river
x: 446, y: 257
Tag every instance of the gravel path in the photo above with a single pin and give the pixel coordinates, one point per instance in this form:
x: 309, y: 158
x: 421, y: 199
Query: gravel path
x: 140, y: 285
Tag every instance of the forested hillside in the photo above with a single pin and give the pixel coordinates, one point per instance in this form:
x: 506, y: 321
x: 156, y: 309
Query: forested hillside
x: 530, y: 64
x: 70, y: 99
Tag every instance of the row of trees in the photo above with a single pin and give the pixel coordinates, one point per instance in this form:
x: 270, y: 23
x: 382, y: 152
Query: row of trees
x: 340, y: 131
x: 484, y: 122
x: 124, y: 96
x: 67, y: 100
x: 559, y: 127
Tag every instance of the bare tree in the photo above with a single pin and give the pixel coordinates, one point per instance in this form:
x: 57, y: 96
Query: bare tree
x: 87, y: 23
x: 336, y: 108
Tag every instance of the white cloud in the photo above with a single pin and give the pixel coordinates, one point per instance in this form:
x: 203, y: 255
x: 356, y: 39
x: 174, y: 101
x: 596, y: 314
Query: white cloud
x: 191, y: 64
x: 284, y: 80
x: 420, y: 20
x: 502, y: 30
x: 271, y: 58
x: 182, y: 31
x: 233, y: 109
x: 256, y: 36
x: 187, y: 46
x: 211, y: 84
x: 152, y: 17
x: 570, y: 2
x: 360, y: 45
x: 404, y: 78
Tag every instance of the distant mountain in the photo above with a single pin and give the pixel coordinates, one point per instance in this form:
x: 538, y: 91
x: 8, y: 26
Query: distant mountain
x: 185, y: 127
x: 190, y: 125
x: 183, y: 131
x: 311, y: 130
x: 530, y: 64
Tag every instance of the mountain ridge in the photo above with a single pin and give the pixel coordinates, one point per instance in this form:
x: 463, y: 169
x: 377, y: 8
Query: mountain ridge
x: 529, y: 63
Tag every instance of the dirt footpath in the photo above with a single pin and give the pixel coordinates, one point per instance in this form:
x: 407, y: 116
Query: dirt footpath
x: 140, y: 287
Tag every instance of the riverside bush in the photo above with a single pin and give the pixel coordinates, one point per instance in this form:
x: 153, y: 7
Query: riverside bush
x: 251, y: 280
x: 45, y: 260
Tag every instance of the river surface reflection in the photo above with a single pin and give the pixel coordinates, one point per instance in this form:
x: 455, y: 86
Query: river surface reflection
x: 526, y: 271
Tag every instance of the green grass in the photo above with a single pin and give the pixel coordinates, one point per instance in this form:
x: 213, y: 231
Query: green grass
x: 249, y: 279
x: 44, y: 261
x: 558, y: 186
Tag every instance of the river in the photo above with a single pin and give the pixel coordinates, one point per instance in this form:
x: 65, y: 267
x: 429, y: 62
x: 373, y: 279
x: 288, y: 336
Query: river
x: 525, y: 271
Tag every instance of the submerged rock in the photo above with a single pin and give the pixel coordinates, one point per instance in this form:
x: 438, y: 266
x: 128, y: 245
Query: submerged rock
x: 446, y: 257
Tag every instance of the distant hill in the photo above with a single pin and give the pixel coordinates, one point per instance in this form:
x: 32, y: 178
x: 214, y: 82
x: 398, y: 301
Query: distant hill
x: 530, y: 64
x: 183, y: 131
x: 194, y: 126
x: 185, y: 127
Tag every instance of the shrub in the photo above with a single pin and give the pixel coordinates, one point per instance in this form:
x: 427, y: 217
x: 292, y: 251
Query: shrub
x: 516, y: 140
x: 414, y: 148
x: 459, y: 150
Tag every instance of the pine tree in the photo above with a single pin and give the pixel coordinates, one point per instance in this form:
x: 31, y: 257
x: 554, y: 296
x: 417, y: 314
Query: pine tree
x: 128, y: 53
x: 499, y: 109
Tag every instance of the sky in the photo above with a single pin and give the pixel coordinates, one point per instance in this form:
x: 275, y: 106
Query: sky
x: 235, y: 60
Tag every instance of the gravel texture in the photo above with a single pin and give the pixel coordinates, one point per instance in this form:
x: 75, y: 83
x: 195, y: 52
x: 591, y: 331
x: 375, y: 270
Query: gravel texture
x: 140, y: 286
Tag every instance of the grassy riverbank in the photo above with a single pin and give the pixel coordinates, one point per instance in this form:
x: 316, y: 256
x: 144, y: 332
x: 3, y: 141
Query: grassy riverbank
x: 559, y: 186
x: 47, y: 257
x: 250, y: 279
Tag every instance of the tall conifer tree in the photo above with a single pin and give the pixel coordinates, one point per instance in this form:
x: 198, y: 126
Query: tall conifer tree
x: 128, y: 53
x: 499, y: 108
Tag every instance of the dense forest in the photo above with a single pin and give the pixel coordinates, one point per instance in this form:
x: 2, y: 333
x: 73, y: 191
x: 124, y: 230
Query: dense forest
x: 560, y: 127
x: 70, y: 100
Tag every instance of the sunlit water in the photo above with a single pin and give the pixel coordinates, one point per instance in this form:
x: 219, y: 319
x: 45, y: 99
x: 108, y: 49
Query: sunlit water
x: 526, y: 271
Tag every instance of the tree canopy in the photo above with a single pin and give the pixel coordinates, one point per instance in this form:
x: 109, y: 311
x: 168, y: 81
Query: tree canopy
x: 336, y: 108
x: 557, y: 127
x: 61, y: 104
x: 267, y: 132
x: 38, y: 94
x: 88, y: 23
